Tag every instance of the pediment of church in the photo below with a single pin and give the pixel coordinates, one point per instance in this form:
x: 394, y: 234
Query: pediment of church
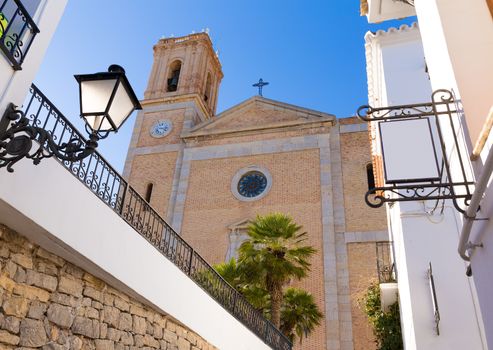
x: 258, y: 113
x: 240, y: 225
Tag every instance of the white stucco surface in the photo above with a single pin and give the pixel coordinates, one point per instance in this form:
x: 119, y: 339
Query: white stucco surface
x: 458, y: 45
x: 52, y: 208
x: 422, y: 232
x: 14, y: 85
x: 382, y: 10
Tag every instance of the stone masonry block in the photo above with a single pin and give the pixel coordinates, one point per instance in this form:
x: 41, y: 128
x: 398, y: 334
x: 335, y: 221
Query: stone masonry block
x: 139, y: 325
x: 12, y: 324
x: 121, y: 304
x: 111, y: 315
x: 23, y: 260
x: 70, y: 286
x: 125, y: 321
x: 16, y: 306
x: 32, y: 333
x: 8, y: 338
x: 86, y: 327
x: 60, y: 315
x: 32, y: 293
x: 51, y: 257
x: 104, y: 344
x: 37, y: 310
x: 41, y: 280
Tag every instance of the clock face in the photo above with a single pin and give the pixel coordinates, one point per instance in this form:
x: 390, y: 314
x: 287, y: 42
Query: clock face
x: 161, y: 128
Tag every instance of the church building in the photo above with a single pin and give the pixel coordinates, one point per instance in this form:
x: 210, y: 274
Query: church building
x: 208, y: 174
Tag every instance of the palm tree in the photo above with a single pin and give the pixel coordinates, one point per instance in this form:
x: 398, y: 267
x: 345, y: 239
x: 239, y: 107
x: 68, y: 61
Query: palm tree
x: 230, y: 272
x: 251, y: 290
x: 299, y: 314
x: 274, y: 254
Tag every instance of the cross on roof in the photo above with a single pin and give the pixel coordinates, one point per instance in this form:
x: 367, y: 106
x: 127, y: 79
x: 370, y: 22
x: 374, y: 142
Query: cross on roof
x: 260, y: 85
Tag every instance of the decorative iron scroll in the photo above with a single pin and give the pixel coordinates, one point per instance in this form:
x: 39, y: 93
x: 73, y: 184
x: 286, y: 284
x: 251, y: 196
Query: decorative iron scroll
x: 110, y: 187
x: 17, y: 31
x: 443, y: 110
x: 17, y: 143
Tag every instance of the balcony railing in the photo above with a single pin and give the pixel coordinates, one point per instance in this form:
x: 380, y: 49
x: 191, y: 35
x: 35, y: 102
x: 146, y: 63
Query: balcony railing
x: 385, y: 266
x: 105, y: 182
x: 17, y: 31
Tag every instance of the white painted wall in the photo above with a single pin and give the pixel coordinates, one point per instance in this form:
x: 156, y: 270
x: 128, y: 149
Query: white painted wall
x: 14, y: 85
x: 458, y: 43
x: 482, y: 259
x: 420, y: 236
x: 55, y: 210
x: 382, y: 10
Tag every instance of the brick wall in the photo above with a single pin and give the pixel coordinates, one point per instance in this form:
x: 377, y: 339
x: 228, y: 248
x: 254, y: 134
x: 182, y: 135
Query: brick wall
x: 362, y: 263
x: 355, y: 153
x: 46, y: 302
x: 208, y: 206
x: 176, y: 116
x: 159, y: 170
x: 211, y: 207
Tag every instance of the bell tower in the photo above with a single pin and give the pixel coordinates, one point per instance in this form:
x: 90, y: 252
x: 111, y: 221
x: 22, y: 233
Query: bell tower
x: 181, y: 93
x: 185, y: 66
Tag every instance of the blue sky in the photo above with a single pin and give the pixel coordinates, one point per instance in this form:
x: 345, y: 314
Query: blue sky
x: 311, y: 52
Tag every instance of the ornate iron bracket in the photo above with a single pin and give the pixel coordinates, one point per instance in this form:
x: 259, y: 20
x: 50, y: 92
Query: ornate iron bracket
x: 17, y: 142
x: 443, y: 110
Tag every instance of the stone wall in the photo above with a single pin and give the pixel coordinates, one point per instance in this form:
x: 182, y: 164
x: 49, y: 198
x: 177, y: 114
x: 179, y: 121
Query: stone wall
x: 46, y: 302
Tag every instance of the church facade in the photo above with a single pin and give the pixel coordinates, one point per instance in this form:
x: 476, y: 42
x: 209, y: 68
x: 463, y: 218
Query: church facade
x: 209, y: 174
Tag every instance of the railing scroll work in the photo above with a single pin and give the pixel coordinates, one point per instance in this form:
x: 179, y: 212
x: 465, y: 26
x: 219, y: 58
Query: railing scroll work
x: 105, y: 182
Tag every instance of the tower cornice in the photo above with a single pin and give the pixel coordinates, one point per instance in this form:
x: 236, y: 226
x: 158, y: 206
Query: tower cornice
x: 177, y: 99
x: 191, y: 39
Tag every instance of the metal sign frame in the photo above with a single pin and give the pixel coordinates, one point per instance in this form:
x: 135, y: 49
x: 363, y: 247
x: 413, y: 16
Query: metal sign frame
x: 442, y: 109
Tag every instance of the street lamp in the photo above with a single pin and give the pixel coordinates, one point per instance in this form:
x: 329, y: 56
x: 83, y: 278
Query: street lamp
x: 106, y: 101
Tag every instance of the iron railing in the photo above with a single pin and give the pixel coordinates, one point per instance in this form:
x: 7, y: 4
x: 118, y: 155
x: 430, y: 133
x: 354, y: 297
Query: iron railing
x: 17, y: 31
x: 385, y: 266
x: 105, y: 182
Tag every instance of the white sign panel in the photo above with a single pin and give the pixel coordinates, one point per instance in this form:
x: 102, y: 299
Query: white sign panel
x: 408, y: 151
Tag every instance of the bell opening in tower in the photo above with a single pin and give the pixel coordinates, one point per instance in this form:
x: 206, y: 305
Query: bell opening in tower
x: 174, y: 76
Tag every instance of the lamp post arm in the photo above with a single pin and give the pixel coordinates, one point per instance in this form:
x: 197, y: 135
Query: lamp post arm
x: 17, y: 136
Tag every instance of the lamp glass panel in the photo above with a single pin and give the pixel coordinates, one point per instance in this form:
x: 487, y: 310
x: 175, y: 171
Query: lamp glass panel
x: 121, y: 106
x: 95, y: 95
x: 408, y: 152
x: 99, y: 123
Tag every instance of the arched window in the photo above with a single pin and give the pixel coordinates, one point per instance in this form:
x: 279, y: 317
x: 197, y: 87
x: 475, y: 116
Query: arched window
x: 174, y: 75
x: 237, y: 235
x: 370, y: 176
x: 208, y: 87
x: 149, y: 192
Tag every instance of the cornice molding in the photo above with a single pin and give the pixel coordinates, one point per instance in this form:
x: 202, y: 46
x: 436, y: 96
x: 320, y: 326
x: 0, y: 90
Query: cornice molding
x: 177, y: 99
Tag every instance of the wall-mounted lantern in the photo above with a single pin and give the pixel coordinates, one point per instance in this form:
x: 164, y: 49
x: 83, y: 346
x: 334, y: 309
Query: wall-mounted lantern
x: 414, y: 160
x: 106, y: 101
